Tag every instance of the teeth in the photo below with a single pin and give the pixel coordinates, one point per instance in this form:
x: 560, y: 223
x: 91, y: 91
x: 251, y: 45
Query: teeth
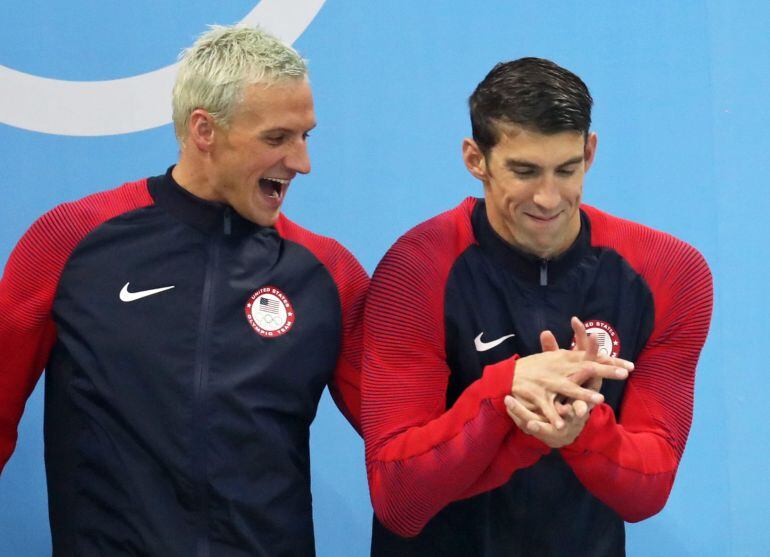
x: 279, y: 180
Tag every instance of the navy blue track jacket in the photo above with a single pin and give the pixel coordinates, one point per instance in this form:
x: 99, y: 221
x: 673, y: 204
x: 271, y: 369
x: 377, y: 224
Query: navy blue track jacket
x: 450, y: 309
x: 186, y: 350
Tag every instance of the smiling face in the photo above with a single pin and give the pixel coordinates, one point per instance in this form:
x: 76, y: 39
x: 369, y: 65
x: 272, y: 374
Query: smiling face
x: 533, y: 184
x: 263, y: 148
x: 250, y: 163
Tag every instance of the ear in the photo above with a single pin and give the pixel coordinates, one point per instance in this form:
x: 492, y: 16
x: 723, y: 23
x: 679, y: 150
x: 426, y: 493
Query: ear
x: 589, y: 152
x: 201, y: 129
x: 474, y: 159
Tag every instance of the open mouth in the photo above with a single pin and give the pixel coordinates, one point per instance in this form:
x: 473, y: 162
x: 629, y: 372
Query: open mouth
x: 273, y: 187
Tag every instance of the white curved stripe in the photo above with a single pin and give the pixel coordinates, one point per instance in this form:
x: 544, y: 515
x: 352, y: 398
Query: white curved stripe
x: 116, y: 106
x: 86, y: 108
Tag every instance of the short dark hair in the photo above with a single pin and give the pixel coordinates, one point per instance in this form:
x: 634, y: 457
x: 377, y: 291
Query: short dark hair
x: 533, y: 93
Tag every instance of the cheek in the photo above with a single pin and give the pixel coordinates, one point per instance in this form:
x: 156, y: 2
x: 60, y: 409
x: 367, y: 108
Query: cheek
x: 576, y: 189
x: 504, y: 192
x: 269, y: 159
x: 577, y: 195
x: 505, y: 202
x: 516, y: 196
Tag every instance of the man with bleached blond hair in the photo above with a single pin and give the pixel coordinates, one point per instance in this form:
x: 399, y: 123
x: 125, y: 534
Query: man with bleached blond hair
x: 188, y: 328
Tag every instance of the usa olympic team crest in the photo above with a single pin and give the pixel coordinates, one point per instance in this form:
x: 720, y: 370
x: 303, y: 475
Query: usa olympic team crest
x: 609, y: 341
x: 269, y: 312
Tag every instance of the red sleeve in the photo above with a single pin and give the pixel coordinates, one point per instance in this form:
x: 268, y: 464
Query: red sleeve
x: 421, y: 456
x: 27, y: 289
x: 352, y: 284
x: 630, y: 463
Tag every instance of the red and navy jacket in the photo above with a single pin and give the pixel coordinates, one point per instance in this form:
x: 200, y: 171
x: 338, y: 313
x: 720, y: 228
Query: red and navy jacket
x: 450, y: 309
x: 186, y: 350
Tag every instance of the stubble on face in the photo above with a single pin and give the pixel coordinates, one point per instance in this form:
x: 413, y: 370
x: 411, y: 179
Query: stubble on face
x: 533, y: 189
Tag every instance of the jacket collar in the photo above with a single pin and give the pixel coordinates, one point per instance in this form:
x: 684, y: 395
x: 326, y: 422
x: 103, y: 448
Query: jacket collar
x: 210, y: 217
x: 527, y: 266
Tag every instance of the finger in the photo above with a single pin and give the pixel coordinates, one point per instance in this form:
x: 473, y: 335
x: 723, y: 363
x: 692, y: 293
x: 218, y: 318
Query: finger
x: 510, y: 406
x: 574, y: 391
x: 533, y: 426
x: 595, y: 384
x: 566, y: 411
x: 548, y: 341
x: 581, y: 337
x: 529, y: 405
x: 520, y: 414
x: 617, y: 362
x: 518, y: 421
x: 548, y: 409
x: 592, y: 347
x: 521, y: 425
x: 542, y: 430
x: 580, y: 407
x: 580, y: 355
x: 516, y: 408
x: 588, y: 370
x: 586, y: 378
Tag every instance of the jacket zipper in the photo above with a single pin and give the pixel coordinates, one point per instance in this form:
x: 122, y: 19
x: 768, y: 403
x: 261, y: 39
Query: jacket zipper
x: 541, y: 325
x: 228, y: 221
x: 202, y: 362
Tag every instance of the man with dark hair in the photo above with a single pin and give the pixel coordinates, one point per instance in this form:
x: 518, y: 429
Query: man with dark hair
x: 531, y: 92
x: 483, y: 437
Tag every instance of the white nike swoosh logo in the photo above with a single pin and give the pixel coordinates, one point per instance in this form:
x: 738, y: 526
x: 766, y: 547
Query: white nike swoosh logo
x: 126, y: 296
x: 484, y: 346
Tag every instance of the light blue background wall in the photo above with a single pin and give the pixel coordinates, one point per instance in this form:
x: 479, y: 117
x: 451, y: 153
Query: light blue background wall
x: 682, y: 92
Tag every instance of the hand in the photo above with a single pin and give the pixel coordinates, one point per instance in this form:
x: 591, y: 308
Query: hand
x: 531, y: 424
x: 585, y: 343
x: 548, y: 344
x: 542, y: 381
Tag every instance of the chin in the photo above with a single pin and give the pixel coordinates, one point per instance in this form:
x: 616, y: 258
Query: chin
x: 538, y: 248
x: 267, y: 220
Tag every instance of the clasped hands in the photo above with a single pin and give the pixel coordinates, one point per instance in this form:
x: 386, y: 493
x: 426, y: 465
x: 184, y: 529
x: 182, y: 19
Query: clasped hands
x: 554, y: 391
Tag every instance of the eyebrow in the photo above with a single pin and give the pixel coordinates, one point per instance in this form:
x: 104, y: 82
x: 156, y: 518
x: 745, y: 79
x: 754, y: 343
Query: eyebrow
x: 276, y: 130
x: 517, y: 163
x: 285, y: 130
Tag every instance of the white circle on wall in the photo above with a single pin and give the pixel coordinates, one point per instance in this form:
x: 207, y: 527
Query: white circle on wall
x: 129, y: 104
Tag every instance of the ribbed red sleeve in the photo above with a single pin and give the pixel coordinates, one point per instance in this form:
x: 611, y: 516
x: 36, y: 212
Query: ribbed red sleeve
x: 352, y: 284
x: 419, y: 455
x: 630, y: 463
x: 27, y: 289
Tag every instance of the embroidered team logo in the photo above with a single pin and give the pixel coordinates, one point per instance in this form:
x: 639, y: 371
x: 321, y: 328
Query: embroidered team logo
x: 269, y: 312
x: 609, y: 341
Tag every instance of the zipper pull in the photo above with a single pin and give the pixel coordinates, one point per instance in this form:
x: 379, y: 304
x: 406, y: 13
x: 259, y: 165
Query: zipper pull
x: 543, y: 272
x: 228, y: 221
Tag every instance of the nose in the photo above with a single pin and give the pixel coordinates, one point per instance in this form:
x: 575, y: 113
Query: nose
x: 298, y: 159
x: 547, y: 195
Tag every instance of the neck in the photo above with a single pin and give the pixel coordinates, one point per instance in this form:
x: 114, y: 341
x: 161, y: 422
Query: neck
x: 190, y: 173
x: 527, y: 245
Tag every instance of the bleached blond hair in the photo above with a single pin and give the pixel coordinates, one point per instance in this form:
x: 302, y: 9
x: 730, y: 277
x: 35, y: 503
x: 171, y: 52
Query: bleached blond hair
x: 215, y: 69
